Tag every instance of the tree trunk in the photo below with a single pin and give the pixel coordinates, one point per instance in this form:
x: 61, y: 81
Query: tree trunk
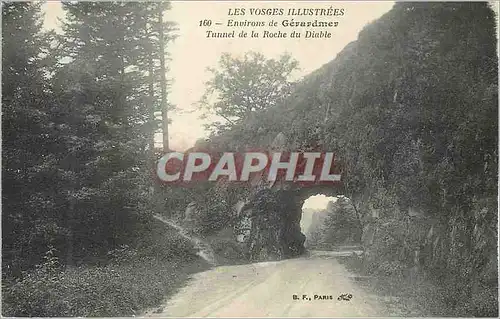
x: 151, y: 93
x: 163, y: 83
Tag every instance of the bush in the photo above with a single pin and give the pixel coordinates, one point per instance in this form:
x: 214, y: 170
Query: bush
x: 390, y: 268
x: 112, y: 290
x: 228, y: 251
x: 133, y: 280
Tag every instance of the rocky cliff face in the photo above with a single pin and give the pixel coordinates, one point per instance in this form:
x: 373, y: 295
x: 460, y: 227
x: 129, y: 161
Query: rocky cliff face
x: 411, y: 110
x: 274, y: 220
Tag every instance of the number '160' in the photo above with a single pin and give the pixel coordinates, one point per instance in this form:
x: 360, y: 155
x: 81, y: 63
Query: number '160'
x: 205, y: 23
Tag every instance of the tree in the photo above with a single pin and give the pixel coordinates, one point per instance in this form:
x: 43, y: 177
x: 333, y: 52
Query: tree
x: 336, y: 225
x: 156, y: 35
x: 245, y: 85
x: 106, y: 105
x: 341, y: 224
x: 28, y: 141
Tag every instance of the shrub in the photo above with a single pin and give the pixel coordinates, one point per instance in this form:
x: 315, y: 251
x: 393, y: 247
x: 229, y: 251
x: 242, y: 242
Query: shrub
x: 112, y: 290
x: 132, y: 280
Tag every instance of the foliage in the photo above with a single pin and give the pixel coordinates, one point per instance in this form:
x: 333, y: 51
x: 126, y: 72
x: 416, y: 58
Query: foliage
x: 77, y: 128
x: 410, y: 110
x: 132, y: 280
x: 228, y: 251
x: 241, y: 86
x: 77, y: 141
x: 338, y: 226
x: 104, y: 291
x: 29, y: 139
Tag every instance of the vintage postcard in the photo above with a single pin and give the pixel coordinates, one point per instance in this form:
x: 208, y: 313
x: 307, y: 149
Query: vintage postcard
x: 250, y: 159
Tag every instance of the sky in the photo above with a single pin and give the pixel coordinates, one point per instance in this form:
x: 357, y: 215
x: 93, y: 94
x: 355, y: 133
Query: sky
x: 192, y: 53
x: 318, y: 201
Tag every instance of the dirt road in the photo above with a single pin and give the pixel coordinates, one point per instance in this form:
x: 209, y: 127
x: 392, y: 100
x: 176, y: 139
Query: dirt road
x: 267, y: 290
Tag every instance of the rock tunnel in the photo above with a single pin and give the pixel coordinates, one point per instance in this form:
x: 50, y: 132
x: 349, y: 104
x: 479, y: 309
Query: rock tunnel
x: 275, y: 215
x: 268, y: 216
x: 275, y: 229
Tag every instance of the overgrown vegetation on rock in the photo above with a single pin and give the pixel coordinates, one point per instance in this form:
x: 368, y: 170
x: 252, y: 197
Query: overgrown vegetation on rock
x: 411, y: 110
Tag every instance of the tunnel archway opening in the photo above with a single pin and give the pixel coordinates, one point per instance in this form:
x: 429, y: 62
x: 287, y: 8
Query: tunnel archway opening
x: 314, y: 210
x: 329, y: 223
x: 278, y: 221
x: 313, y: 206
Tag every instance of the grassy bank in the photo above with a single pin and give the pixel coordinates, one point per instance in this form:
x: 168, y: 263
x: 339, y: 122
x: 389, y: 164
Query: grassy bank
x: 416, y: 296
x: 131, y: 281
x: 227, y: 250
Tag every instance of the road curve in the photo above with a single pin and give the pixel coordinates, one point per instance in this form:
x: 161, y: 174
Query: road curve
x: 267, y: 290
